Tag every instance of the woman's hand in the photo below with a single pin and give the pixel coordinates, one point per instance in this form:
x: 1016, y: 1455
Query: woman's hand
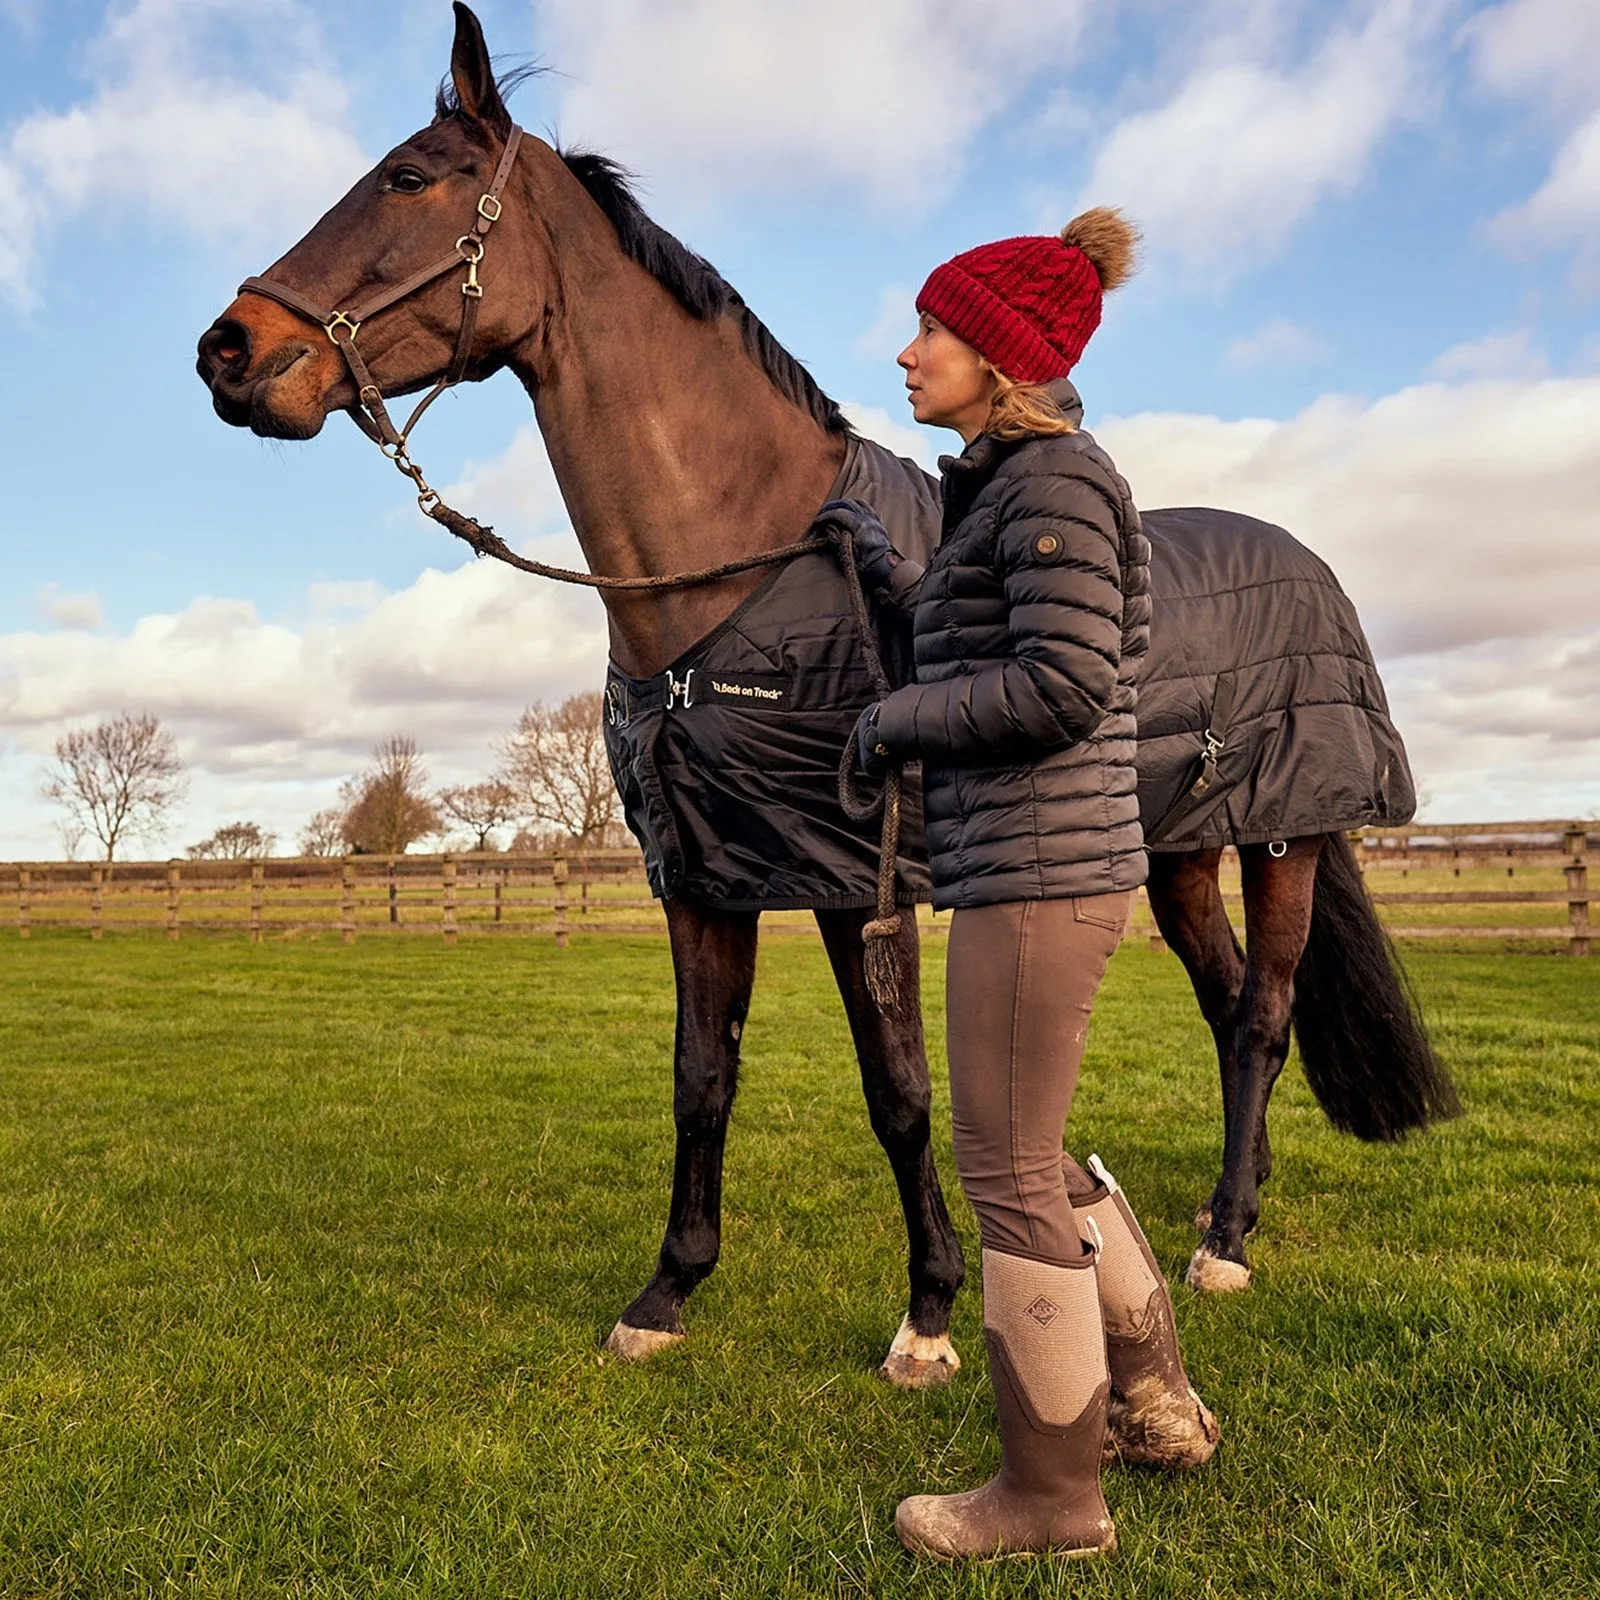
x: 875, y: 557
x: 871, y: 752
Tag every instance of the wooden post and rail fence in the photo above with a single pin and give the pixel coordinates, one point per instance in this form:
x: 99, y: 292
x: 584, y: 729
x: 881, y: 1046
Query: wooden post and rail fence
x: 1463, y: 881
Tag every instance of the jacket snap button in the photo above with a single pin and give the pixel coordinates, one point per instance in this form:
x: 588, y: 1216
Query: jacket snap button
x: 1047, y: 544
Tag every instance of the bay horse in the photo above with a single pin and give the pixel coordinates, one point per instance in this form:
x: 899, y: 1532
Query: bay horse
x: 683, y: 435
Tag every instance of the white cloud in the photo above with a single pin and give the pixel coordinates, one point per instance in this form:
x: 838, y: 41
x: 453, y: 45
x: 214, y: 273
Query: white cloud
x: 67, y: 610
x: 1504, y: 729
x: 1276, y: 346
x: 886, y: 97
x: 168, y: 133
x: 1547, y: 52
x: 1453, y: 513
x: 1496, y: 355
x: 517, y: 489
x: 904, y: 438
x: 1542, y: 49
x: 271, y: 717
x: 1244, y: 151
x: 1464, y: 520
x: 1566, y: 207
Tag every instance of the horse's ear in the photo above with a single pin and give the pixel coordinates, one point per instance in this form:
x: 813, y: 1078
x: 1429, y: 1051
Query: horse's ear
x: 473, y: 75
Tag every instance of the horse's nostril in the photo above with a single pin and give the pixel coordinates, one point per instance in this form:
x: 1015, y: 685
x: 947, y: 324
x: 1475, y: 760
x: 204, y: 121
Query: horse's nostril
x: 225, y: 349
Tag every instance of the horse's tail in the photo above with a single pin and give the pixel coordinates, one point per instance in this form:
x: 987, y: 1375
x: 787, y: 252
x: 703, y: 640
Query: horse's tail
x: 1362, y: 1041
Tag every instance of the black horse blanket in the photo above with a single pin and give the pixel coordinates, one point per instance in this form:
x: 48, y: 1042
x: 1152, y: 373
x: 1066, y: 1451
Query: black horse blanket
x: 727, y: 763
x: 1253, y: 641
x: 1261, y: 714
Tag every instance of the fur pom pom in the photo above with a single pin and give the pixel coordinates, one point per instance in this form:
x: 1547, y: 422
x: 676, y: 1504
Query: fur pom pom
x: 1109, y: 240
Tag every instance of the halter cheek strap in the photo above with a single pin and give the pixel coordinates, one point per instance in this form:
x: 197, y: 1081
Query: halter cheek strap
x: 369, y: 412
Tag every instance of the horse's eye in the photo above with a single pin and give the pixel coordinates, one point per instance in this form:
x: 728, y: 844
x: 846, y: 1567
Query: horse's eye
x: 407, y: 180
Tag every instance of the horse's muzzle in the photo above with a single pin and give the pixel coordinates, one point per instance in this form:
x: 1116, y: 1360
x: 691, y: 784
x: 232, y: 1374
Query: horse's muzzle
x: 242, y: 390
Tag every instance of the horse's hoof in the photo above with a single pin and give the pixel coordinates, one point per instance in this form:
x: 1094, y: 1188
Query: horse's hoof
x: 919, y: 1360
x: 1213, y: 1275
x: 639, y: 1344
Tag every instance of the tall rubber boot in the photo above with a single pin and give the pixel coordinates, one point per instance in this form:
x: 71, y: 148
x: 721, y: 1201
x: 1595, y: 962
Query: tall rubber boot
x: 1048, y: 1364
x: 1155, y: 1418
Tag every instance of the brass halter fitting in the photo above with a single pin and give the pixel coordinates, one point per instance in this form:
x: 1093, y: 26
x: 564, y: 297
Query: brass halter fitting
x: 471, y: 248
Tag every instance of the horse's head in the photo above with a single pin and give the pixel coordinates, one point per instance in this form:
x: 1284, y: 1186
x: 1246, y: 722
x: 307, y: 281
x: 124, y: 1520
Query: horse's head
x: 274, y: 370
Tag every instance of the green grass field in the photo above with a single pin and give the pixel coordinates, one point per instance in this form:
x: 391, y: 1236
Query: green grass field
x: 309, y: 1250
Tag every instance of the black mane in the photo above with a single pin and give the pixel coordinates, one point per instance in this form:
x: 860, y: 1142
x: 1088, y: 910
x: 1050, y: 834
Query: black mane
x: 690, y: 279
x: 695, y: 284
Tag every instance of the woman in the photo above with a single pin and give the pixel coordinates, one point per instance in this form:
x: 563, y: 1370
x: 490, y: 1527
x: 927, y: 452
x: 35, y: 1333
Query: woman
x: 1030, y: 624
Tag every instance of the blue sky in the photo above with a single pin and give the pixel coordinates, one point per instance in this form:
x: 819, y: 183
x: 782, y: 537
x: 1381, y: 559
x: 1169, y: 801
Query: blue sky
x: 1370, y: 310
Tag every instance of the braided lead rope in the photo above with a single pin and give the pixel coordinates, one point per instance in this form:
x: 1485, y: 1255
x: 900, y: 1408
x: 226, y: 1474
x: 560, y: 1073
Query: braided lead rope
x: 881, y: 959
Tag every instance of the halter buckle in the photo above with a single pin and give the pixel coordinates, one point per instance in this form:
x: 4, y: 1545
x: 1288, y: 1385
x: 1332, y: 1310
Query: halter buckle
x: 488, y: 208
x: 332, y: 325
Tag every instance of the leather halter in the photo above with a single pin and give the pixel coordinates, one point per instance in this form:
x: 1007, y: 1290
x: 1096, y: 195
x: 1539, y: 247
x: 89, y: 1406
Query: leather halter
x: 341, y: 327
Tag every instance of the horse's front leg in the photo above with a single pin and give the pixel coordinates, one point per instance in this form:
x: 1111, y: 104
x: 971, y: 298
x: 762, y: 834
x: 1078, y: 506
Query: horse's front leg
x: 894, y: 1077
x: 714, y: 963
x: 1277, y: 910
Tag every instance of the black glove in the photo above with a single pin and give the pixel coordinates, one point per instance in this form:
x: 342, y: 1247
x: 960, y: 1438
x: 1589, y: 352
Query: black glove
x: 871, y: 753
x: 875, y: 556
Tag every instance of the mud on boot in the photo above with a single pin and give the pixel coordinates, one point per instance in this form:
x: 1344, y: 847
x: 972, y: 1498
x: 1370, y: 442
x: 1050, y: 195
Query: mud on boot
x: 1155, y: 1418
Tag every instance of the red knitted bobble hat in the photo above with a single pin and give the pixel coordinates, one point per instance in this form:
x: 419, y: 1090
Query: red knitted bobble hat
x: 1028, y: 306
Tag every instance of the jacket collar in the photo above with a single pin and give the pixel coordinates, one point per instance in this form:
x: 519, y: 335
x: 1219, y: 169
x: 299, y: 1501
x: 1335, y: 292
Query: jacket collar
x: 966, y: 473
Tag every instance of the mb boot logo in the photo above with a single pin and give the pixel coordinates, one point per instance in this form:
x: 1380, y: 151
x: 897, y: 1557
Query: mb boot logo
x: 1043, y: 1311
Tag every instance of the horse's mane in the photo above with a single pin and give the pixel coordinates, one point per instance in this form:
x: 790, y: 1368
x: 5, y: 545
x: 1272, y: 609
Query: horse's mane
x: 695, y: 284
x: 689, y: 278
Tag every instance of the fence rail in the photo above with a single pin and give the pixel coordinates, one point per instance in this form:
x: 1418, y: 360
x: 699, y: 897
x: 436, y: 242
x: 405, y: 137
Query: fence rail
x: 1462, y: 881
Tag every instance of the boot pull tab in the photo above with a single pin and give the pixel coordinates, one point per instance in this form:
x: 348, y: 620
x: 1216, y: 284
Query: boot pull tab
x: 1098, y: 1168
x: 1097, y: 1240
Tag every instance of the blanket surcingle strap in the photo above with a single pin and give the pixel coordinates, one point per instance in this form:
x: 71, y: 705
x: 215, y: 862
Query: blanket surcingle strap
x: 727, y: 762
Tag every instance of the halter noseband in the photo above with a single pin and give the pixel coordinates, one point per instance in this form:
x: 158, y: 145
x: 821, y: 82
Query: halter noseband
x: 341, y: 327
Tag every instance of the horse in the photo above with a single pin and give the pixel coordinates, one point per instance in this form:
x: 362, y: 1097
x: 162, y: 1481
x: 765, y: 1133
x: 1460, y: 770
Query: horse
x: 683, y: 435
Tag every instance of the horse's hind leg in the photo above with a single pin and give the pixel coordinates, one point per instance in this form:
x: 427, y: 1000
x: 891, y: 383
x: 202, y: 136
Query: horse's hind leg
x: 1277, y: 908
x: 714, y: 963
x: 1186, y: 900
x: 894, y: 1076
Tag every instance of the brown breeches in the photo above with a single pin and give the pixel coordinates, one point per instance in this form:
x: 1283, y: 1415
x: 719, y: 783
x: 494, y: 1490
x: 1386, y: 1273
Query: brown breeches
x: 1020, y: 985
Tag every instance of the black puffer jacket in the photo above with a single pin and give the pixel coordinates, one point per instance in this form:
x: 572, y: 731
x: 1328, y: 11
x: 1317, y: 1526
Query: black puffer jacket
x: 1030, y: 623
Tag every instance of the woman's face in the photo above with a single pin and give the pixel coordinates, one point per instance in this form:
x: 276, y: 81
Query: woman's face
x: 946, y: 379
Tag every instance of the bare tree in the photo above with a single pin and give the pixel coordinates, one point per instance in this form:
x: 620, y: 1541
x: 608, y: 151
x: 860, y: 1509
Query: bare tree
x: 122, y: 777
x: 235, y: 841
x: 387, y: 808
x: 480, y: 807
x: 323, y: 835
x: 554, y: 762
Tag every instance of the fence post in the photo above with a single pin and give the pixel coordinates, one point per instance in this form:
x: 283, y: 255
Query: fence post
x: 394, y: 895
x: 1577, y: 848
x: 172, y: 899
x: 499, y: 891
x: 96, y: 876
x: 347, y: 902
x: 258, y: 895
x: 583, y: 890
x: 24, y: 930
x: 558, y: 877
x: 449, y: 899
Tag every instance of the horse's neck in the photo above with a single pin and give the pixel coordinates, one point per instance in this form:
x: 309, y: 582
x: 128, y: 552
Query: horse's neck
x: 672, y: 448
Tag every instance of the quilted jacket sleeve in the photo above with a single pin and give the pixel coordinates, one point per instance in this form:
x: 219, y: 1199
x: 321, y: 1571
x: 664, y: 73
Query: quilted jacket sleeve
x: 1057, y: 551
